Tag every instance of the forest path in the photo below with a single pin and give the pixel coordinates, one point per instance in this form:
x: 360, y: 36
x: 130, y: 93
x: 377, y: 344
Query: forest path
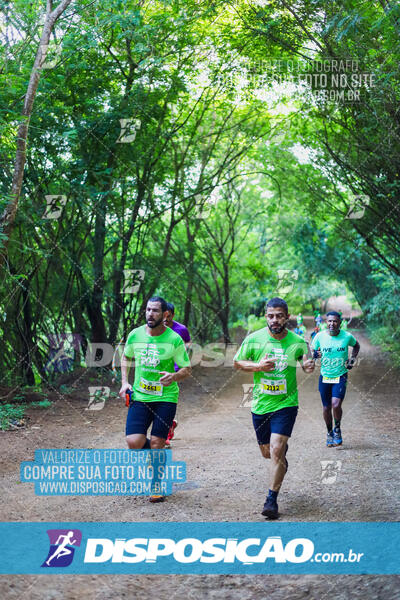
x: 227, y: 479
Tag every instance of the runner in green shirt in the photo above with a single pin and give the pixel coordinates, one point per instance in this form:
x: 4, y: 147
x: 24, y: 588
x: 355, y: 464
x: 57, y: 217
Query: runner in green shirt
x: 332, y: 346
x: 272, y: 354
x: 153, y: 349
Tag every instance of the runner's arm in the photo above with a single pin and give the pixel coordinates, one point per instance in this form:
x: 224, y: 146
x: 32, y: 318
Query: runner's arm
x: 182, y: 373
x: 264, y: 365
x: 350, y: 361
x: 246, y: 365
x: 307, y: 360
x: 126, y: 363
x: 168, y: 378
x: 308, y: 365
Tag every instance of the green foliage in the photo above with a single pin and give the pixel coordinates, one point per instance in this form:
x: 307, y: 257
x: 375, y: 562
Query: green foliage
x: 254, y: 323
x: 10, y: 414
x: 222, y: 186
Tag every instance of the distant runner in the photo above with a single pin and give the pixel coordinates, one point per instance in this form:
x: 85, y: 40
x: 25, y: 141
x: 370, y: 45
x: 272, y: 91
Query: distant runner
x: 318, y: 321
x: 271, y: 354
x: 154, y: 349
x: 333, y: 348
x: 183, y: 331
x: 344, y: 323
x: 300, y: 329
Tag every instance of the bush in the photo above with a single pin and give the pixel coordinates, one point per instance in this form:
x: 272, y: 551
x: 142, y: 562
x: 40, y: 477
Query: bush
x: 9, y: 413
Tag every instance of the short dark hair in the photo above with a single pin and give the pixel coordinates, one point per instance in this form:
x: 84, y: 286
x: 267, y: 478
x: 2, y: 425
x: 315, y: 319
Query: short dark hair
x: 164, y: 305
x: 171, y: 307
x: 277, y: 303
x: 333, y: 313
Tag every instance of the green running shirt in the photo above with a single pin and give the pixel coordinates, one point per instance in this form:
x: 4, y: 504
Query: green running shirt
x: 275, y: 389
x: 153, y: 354
x: 334, y: 350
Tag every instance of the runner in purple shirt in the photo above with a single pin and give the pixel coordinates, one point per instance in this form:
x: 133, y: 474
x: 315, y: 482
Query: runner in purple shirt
x: 185, y: 335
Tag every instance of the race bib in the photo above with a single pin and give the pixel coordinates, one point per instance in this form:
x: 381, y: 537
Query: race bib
x: 154, y: 388
x: 273, y: 387
x: 330, y: 379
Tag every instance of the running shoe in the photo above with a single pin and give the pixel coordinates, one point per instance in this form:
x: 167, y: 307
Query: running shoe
x: 155, y: 499
x: 337, y: 436
x: 270, y: 509
x: 329, y: 439
x: 171, y: 432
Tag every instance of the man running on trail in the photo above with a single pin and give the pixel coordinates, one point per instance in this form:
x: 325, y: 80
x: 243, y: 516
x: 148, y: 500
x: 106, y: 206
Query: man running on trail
x: 179, y: 328
x: 271, y: 354
x: 153, y: 349
x: 332, y: 346
x: 300, y: 329
x: 344, y: 323
x: 183, y: 331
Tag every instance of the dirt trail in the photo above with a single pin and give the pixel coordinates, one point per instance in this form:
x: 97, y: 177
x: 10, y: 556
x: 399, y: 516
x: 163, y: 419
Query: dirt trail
x: 226, y: 480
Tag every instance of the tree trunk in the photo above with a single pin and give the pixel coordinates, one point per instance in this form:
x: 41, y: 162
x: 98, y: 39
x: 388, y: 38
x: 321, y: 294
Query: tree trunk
x: 27, y: 342
x: 8, y: 217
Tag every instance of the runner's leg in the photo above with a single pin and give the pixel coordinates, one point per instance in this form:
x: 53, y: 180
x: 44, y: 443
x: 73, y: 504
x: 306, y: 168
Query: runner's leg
x: 273, y: 431
x: 163, y: 416
x: 325, y: 390
x: 138, y: 421
x: 337, y: 409
x: 278, y: 447
x: 338, y: 393
x: 327, y: 414
x: 157, y: 443
x: 337, y: 413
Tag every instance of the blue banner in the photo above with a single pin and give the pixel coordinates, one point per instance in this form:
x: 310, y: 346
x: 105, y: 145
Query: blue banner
x: 200, y: 548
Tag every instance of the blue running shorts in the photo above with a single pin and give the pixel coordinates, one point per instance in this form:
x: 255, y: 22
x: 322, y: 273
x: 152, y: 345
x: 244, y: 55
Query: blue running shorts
x: 332, y: 390
x: 281, y: 421
x: 142, y: 414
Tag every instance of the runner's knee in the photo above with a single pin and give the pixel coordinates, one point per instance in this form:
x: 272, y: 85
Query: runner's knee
x: 277, y: 450
x: 264, y: 448
x: 156, y: 443
x: 135, y: 442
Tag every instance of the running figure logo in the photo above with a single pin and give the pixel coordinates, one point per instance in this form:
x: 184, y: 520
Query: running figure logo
x: 247, y: 395
x: 330, y: 470
x: 62, y: 542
